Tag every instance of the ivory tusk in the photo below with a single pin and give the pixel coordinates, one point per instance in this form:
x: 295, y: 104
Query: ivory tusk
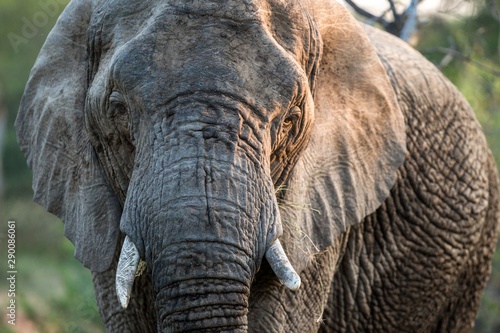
x: 281, y: 266
x: 126, y: 271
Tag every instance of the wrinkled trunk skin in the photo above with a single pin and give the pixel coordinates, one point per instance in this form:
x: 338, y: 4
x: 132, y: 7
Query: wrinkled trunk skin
x: 202, y: 266
x: 207, y: 212
x: 203, y: 288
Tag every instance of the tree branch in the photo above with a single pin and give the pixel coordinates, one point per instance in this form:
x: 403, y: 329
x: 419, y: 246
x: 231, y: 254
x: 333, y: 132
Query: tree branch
x: 366, y: 14
x: 457, y: 55
x: 403, y: 25
x: 410, y: 15
x: 394, y: 11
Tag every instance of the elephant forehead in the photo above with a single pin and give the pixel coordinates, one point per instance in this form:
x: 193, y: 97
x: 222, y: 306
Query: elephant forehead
x: 235, y: 10
x: 124, y: 17
x: 202, y: 54
x: 286, y: 21
x: 240, y: 10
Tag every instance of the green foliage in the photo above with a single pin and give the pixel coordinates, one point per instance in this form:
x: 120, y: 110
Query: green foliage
x: 18, y: 176
x: 54, y: 291
x: 467, y: 50
x: 23, y: 29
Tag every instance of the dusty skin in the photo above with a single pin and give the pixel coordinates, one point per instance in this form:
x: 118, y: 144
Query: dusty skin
x: 204, y: 131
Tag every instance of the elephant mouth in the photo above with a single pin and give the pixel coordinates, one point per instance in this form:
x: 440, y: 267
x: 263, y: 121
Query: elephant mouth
x: 129, y: 268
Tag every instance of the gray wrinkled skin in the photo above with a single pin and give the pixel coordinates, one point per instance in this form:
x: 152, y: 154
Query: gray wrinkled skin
x: 207, y: 130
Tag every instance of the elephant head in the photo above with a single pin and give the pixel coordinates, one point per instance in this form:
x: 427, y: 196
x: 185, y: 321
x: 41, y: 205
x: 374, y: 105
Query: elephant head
x: 205, y: 131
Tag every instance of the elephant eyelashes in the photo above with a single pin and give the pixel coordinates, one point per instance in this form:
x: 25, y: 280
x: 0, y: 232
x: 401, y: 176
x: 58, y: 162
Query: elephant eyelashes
x: 291, y: 120
x: 293, y: 115
x: 289, y: 129
x: 118, y: 113
x: 117, y: 104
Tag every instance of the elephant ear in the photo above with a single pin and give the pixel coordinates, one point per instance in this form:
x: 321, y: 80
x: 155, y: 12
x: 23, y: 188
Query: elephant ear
x: 356, y: 146
x: 67, y: 178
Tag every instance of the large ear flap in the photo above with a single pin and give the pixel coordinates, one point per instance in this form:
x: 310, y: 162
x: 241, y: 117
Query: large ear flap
x: 357, y: 142
x: 67, y: 178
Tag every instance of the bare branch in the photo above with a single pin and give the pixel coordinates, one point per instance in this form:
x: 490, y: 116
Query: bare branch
x: 402, y: 25
x: 366, y: 14
x: 457, y: 55
x: 394, y: 11
x: 411, y: 22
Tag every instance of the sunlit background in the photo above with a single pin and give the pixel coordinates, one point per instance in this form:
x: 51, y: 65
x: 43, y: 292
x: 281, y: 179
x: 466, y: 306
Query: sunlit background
x: 54, y: 292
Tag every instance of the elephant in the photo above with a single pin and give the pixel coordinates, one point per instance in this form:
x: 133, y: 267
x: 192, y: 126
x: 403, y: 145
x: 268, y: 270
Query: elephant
x: 259, y: 166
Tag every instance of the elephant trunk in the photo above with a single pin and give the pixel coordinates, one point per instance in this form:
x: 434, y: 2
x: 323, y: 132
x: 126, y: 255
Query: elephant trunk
x: 202, y: 214
x: 208, y: 242
x: 204, y: 287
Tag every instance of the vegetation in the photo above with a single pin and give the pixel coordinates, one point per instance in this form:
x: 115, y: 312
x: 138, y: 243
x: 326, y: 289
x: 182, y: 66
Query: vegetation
x: 54, y: 292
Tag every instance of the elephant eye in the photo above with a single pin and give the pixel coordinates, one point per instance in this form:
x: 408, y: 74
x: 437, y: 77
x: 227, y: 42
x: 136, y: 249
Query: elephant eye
x: 292, y: 117
x: 117, y: 104
x: 118, y: 115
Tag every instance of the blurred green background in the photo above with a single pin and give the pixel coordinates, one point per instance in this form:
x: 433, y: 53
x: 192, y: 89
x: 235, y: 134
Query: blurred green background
x: 54, y: 292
